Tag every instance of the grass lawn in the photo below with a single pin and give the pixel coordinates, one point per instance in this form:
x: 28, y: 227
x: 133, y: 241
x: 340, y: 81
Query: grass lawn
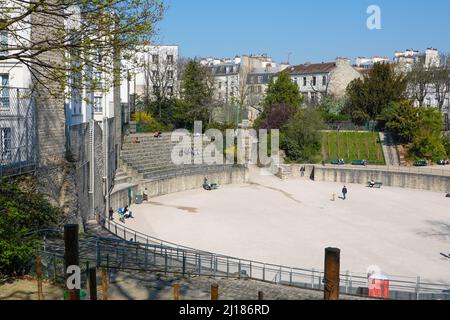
x: 352, y: 146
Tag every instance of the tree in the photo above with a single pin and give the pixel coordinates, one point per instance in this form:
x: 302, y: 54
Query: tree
x: 402, y: 120
x: 160, y: 83
x: 368, y: 97
x: 440, y: 79
x: 277, y: 117
x: 282, y: 91
x: 86, y: 35
x: 419, y: 79
x: 331, y: 109
x: 21, y: 213
x: 301, y: 137
x: 419, y: 127
x: 196, y: 96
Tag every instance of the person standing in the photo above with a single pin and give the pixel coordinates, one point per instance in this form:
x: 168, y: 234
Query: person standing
x: 145, y: 195
x: 344, y: 192
x: 111, y: 213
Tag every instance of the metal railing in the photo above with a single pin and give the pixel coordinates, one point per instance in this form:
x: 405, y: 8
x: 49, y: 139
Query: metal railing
x: 17, y: 131
x: 152, y: 253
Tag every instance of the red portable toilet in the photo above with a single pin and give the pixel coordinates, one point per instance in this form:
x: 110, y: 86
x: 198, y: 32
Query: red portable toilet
x: 379, y: 285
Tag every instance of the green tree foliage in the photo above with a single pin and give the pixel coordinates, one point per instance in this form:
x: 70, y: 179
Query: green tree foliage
x: 368, y: 97
x: 196, y: 94
x: 331, y: 109
x: 301, y: 137
x: 88, y: 33
x: 21, y: 213
x: 401, y: 119
x: 420, y: 127
x: 282, y: 92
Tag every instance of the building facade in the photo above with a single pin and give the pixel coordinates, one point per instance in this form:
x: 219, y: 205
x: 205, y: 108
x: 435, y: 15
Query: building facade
x: 155, y: 74
x: 317, y: 80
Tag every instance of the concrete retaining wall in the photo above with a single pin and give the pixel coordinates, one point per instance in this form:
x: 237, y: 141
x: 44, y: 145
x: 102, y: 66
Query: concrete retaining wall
x: 409, y: 180
x: 234, y: 175
x: 423, y: 181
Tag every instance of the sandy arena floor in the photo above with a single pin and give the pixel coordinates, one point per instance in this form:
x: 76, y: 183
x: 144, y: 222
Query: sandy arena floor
x: 291, y: 223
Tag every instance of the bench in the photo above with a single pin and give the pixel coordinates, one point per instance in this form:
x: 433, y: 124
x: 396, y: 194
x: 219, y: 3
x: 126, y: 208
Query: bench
x: 338, y: 162
x: 377, y: 185
x: 359, y: 163
x: 421, y: 163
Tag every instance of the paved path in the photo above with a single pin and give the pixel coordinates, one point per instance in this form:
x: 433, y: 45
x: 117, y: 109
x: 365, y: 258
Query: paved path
x: 389, y: 149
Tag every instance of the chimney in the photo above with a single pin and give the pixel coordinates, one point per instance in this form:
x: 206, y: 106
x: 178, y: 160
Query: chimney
x: 340, y: 61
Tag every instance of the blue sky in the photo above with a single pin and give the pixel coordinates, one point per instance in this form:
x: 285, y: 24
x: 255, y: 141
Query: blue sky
x: 312, y: 30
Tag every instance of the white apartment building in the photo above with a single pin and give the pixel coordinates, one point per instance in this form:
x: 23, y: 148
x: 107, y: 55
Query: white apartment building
x: 367, y: 63
x: 406, y: 59
x: 316, y: 80
x: 243, y: 79
x: 156, y: 71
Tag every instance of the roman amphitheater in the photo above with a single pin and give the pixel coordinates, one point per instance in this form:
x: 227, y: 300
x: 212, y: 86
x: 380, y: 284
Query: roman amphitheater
x: 286, y: 220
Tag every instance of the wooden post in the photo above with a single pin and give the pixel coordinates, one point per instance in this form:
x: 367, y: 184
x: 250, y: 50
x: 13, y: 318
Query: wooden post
x: 176, y: 292
x: 104, y: 285
x: 332, y: 270
x: 260, y: 295
x: 71, y: 257
x: 39, y: 277
x: 215, y: 292
x: 93, y: 283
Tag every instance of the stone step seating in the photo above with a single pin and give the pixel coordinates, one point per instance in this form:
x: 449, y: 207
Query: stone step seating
x: 121, y: 177
x: 151, y: 158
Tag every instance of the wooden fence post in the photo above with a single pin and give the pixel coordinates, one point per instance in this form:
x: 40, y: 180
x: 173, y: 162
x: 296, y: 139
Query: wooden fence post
x: 71, y: 257
x: 331, y: 276
x: 176, y: 292
x: 93, y: 283
x: 39, y: 277
x: 215, y: 292
x: 104, y: 285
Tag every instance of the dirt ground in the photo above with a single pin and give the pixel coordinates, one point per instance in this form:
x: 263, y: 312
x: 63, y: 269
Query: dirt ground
x: 26, y: 289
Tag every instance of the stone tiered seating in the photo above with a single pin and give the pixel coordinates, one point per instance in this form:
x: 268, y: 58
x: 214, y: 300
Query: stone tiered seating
x: 151, y: 158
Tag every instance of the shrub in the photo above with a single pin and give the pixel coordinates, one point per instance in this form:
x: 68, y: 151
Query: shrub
x: 21, y: 213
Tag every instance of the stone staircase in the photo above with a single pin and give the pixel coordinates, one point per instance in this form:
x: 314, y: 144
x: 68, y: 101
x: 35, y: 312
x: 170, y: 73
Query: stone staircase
x: 151, y: 158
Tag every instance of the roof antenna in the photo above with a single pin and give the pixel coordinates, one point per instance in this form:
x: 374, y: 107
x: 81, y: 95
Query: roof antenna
x: 289, y: 57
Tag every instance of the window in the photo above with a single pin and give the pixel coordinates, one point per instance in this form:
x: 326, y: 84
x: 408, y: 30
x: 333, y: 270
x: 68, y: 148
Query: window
x: 170, y: 90
x: 314, y: 81
x: 3, y: 43
x: 155, y: 58
x: 4, y: 91
x: 428, y: 102
x: 219, y: 85
x: 304, y: 81
x: 260, y: 79
x: 170, y: 74
x: 98, y: 106
x: 5, y: 144
x: 170, y: 58
x: 324, y: 80
x: 154, y: 74
x: 259, y: 89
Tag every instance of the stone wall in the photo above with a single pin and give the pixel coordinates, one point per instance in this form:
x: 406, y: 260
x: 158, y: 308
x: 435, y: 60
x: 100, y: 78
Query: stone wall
x: 55, y: 171
x: 424, y: 181
x: 157, y: 188
x: 405, y: 179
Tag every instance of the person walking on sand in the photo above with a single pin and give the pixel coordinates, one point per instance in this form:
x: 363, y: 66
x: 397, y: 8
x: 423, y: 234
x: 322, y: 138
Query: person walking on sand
x: 344, y: 192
